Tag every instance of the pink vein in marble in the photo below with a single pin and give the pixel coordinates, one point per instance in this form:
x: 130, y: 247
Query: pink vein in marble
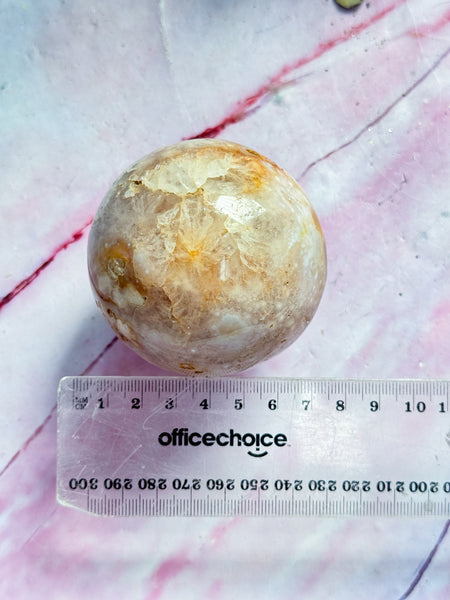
x: 248, y: 105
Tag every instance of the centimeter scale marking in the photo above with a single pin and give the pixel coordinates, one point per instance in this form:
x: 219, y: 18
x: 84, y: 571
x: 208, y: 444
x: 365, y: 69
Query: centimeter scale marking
x: 153, y: 446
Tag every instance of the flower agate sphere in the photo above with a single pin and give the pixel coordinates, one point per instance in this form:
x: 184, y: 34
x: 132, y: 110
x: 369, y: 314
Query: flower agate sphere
x: 206, y: 257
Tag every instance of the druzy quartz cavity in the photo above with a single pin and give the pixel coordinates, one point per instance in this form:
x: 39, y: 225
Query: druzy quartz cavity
x: 206, y: 257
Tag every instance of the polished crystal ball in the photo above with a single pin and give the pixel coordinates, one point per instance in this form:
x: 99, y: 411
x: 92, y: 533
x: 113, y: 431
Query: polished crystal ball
x: 206, y: 257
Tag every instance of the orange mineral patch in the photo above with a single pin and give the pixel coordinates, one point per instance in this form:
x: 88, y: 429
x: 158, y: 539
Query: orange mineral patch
x: 116, y: 259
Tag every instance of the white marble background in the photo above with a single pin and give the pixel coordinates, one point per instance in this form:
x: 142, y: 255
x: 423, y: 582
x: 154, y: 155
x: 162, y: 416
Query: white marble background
x: 355, y: 105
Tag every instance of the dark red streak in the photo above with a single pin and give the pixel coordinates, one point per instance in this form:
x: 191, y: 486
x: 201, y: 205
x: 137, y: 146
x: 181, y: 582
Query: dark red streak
x: 108, y: 346
x: 243, y: 107
x: 28, y: 280
x: 29, y: 440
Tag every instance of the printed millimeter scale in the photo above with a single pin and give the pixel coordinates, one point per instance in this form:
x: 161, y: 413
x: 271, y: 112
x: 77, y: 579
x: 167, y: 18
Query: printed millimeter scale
x: 133, y: 446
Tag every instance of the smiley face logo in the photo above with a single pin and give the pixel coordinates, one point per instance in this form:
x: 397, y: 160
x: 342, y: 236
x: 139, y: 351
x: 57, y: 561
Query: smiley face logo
x: 258, y: 450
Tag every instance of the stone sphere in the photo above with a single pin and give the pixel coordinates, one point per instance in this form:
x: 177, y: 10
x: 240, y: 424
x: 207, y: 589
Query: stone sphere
x: 206, y: 258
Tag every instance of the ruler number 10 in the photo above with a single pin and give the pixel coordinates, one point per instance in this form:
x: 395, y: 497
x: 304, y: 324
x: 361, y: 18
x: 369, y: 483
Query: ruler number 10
x: 419, y: 407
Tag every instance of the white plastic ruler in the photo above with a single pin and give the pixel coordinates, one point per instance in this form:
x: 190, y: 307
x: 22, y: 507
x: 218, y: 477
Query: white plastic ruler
x: 150, y: 446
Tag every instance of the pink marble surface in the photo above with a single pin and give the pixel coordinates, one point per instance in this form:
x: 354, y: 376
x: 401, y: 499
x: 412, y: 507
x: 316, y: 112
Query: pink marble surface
x: 355, y: 105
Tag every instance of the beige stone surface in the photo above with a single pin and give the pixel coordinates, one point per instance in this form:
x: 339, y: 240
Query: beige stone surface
x: 206, y: 257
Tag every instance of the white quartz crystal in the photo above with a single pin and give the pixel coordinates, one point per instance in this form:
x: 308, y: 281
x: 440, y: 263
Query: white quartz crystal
x: 206, y: 257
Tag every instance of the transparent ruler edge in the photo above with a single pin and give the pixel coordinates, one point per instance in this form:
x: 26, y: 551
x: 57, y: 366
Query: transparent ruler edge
x: 430, y: 499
